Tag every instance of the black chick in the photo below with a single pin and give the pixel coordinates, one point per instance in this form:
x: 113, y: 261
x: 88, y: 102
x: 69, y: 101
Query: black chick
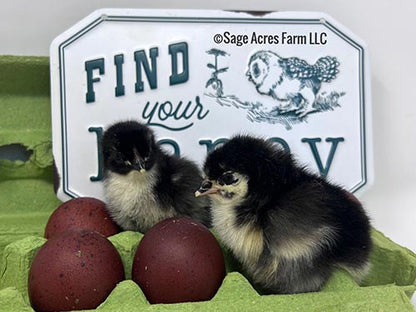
x: 291, y: 79
x: 143, y: 184
x: 288, y: 228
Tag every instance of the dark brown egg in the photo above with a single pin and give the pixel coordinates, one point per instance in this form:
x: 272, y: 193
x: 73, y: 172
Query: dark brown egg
x: 81, y: 213
x: 178, y: 260
x: 74, y: 270
x: 352, y: 197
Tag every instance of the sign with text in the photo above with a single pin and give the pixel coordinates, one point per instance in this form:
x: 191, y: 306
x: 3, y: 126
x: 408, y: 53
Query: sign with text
x: 196, y: 78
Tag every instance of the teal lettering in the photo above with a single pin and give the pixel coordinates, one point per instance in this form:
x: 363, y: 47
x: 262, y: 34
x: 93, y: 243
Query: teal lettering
x: 165, y: 113
x: 99, y: 132
x: 201, y: 115
x: 118, y: 61
x: 149, y: 115
x: 151, y: 71
x: 174, y: 50
x: 167, y: 110
x: 184, y: 114
x: 90, y: 66
x: 178, y: 115
x: 312, y: 144
x: 282, y: 142
x: 172, y: 143
x: 211, y: 145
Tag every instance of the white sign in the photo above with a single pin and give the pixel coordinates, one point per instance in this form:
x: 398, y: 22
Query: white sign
x: 198, y: 77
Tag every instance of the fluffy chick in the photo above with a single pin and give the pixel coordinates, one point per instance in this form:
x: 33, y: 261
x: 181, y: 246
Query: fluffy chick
x: 288, y: 228
x: 290, y: 80
x: 143, y: 184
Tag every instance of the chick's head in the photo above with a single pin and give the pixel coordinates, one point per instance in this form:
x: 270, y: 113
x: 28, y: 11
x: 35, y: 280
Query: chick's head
x: 129, y: 146
x: 241, y: 167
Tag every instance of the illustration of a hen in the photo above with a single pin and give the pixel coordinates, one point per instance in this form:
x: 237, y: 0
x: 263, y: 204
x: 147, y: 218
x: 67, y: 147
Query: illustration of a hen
x: 291, y: 81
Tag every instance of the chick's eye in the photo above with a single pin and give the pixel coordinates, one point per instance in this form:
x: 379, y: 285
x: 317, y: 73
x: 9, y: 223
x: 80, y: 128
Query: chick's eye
x: 228, y: 178
x: 256, y: 70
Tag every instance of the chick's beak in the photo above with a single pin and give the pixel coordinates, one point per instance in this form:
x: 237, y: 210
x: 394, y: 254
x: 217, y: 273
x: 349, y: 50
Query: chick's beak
x: 139, y: 165
x: 206, y: 188
x: 248, y: 75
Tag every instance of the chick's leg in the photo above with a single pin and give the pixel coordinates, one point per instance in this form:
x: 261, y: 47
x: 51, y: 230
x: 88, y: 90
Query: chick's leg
x: 306, y: 106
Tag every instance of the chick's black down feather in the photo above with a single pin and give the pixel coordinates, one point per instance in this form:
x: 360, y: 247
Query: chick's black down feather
x: 143, y: 184
x: 288, y: 227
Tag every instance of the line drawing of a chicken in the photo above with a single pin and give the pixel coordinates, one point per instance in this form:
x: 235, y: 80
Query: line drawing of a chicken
x: 292, y: 81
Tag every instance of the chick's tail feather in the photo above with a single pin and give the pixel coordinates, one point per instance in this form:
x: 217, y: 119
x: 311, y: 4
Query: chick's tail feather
x: 326, y: 68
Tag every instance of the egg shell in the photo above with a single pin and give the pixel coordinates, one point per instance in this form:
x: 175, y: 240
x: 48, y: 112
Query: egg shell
x: 352, y: 197
x: 81, y: 213
x: 74, y: 270
x: 178, y: 260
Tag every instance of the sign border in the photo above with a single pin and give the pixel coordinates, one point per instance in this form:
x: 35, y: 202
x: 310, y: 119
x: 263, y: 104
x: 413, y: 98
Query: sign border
x: 104, y: 17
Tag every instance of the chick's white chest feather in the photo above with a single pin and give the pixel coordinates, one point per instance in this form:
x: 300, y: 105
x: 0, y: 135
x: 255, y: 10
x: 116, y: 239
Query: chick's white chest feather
x: 287, y: 88
x: 245, y: 240
x: 132, y: 202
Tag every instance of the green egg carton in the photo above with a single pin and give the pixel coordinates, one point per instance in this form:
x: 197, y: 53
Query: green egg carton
x: 27, y: 199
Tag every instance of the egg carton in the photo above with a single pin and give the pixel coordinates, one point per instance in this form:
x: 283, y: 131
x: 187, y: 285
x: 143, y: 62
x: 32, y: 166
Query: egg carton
x: 27, y: 199
x: 341, y: 293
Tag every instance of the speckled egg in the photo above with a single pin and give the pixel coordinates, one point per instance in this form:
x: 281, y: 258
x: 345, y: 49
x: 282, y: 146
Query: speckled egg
x: 178, y: 260
x: 74, y: 270
x: 81, y: 213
